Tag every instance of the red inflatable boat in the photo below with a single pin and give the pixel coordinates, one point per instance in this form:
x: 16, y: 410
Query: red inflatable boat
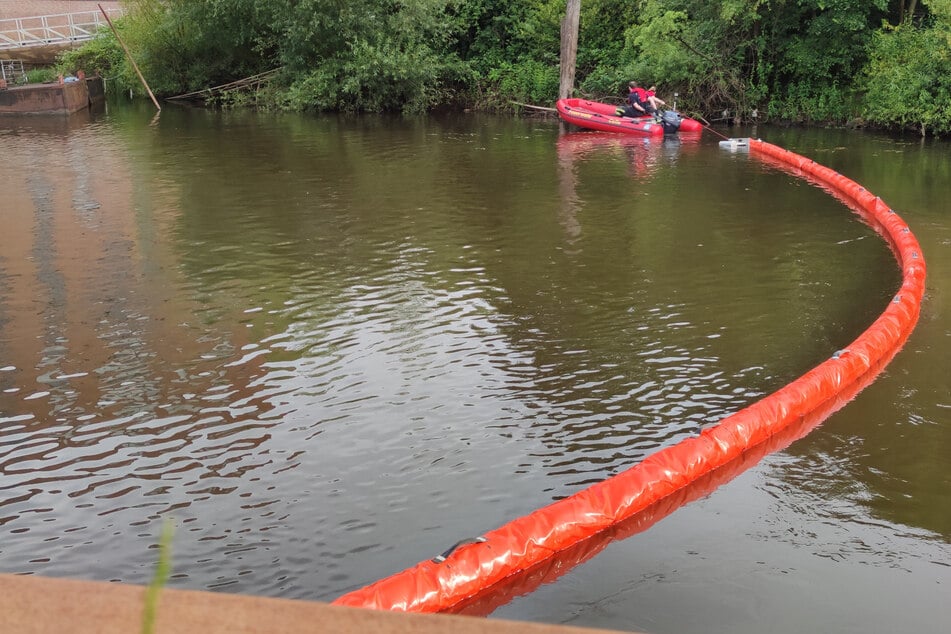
x: 594, y: 115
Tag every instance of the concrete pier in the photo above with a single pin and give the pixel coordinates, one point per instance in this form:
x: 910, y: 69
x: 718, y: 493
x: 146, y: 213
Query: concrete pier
x: 64, y: 98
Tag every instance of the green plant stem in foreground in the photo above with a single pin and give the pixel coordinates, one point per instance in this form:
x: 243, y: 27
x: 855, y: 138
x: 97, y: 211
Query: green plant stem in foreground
x: 159, y: 579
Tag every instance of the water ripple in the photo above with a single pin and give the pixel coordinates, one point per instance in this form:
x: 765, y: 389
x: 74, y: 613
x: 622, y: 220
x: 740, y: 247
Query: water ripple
x: 325, y: 359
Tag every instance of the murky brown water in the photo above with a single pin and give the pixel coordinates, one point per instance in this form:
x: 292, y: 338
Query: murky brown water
x: 331, y: 347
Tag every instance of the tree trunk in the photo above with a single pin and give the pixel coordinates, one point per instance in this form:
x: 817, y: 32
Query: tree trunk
x: 569, y: 48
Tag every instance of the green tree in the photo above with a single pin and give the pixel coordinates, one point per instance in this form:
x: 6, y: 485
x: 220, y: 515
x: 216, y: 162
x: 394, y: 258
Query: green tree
x: 809, y: 60
x: 512, y: 49
x: 907, y: 81
x: 793, y: 60
x: 370, y: 55
x: 818, y: 47
x: 184, y: 45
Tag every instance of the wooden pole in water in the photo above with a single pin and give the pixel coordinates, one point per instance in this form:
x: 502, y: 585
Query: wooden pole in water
x: 129, y: 55
x: 569, y: 48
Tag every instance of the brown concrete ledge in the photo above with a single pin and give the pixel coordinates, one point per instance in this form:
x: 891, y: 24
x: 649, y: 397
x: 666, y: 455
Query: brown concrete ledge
x: 45, y: 98
x: 41, y: 605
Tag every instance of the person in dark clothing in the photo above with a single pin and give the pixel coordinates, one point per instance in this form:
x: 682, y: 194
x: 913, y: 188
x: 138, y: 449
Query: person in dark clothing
x: 638, y: 104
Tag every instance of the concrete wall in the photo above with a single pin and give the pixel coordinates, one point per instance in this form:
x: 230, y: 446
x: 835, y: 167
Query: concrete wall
x: 96, y: 88
x: 45, y: 98
x: 34, y: 56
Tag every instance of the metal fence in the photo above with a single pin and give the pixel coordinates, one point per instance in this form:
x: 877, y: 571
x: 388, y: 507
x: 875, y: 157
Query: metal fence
x: 44, y: 30
x: 11, y: 72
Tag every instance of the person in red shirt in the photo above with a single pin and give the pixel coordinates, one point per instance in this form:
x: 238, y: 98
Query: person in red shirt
x: 637, y: 97
x: 652, y: 98
x: 634, y: 106
x: 639, y: 101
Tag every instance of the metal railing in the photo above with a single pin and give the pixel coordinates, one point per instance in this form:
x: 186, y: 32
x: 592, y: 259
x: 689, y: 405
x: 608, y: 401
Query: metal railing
x: 12, y: 71
x: 44, y: 30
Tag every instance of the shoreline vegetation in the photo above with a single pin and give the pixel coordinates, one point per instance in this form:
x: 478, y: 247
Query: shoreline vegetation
x: 884, y: 64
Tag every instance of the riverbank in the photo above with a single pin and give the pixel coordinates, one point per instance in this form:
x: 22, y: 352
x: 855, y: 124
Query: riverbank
x: 39, y: 605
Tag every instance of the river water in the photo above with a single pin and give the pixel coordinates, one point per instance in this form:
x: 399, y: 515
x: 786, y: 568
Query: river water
x: 328, y: 348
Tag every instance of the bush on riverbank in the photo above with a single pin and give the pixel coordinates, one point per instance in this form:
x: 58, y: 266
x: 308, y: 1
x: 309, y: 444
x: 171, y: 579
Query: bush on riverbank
x: 40, y: 76
x: 907, y: 81
x: 885, y: 63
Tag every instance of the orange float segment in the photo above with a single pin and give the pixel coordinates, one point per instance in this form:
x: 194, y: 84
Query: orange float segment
x: 434, y: 586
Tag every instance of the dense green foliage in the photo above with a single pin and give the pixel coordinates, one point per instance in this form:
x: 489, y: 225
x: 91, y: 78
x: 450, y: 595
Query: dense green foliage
x: 39, y: 76
x: 884, y: 62
x: 907, y: 80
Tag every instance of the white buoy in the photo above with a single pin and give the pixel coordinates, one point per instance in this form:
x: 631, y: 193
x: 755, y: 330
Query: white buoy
x: 736, y: 144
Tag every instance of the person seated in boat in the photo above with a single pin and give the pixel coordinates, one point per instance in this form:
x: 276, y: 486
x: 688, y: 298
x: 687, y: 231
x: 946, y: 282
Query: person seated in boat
x: 633, y: 107
x: 639, y: 103
x: 652, y: 99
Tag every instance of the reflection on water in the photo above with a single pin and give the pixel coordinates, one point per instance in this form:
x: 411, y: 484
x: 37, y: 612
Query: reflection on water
x: 644, y: 156
x: 329, y: 348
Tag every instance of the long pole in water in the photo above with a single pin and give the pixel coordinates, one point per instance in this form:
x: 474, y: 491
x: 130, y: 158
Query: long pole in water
x: 707, y: 126
x: 129, y: 55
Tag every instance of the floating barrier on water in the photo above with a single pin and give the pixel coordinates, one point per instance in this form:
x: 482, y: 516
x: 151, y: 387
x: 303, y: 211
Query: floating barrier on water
x: 473, y: 565
x: 736, y: 144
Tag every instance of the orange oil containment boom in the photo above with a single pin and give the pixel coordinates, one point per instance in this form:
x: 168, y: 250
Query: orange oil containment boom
x: 445, y: 583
